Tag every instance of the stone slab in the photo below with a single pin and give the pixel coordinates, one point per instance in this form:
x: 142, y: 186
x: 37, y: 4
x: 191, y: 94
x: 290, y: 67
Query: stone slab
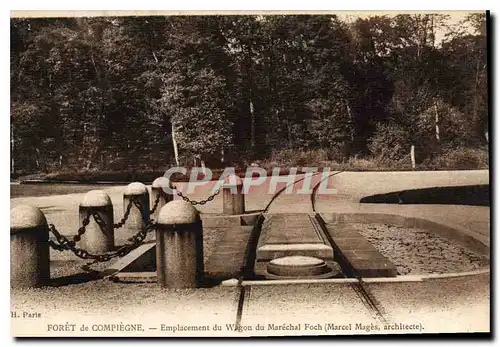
x: 273, y: 251
x: 143, y: 258
x: 228, y: 255
x: 353, y: 243
x: 357, y: 253
x: 221, y: 222
x: 295, y: 235
x: 288, y: 229
x: 373, y: 267
x: 148, y: 277
x: 363, y: 254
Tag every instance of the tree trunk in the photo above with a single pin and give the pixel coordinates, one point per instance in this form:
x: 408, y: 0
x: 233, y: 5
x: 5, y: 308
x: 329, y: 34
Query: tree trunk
x: 12, y: 162
x: 36, y: 158
x: 412, y: 156
x: 351, y: 122
x: 289, y: 130
x: 476, y: 101
x: 252, y: 125
x: 437, y: 121
x: 174, y: 142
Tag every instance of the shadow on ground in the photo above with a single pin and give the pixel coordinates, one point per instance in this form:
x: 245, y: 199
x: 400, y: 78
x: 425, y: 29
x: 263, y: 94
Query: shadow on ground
x: 78, y: 278
x: 476, y: 195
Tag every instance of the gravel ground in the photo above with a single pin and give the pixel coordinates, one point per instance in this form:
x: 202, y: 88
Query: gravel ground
x: 416, y: 251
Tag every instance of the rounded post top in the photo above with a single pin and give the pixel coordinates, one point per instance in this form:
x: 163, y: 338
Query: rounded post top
x: 135, y: 188
x: 233, y: 180
x: 161, y: 182
x: 178, y: 212
x: 26, y: 217
x: 96, y: 198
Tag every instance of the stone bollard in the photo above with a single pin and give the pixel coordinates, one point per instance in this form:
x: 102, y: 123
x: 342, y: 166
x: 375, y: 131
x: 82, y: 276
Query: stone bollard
x: 160, y: 188
x: 138, y: 218
x: 233, y: 199
x: 97, y: 239
x: 29, y: 248
x: 179, y: 246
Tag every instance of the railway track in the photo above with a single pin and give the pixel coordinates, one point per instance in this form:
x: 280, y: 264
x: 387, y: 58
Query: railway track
x: 360, y: 288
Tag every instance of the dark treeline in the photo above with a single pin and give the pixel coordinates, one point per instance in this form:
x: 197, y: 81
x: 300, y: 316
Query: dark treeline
x: 106, y: 93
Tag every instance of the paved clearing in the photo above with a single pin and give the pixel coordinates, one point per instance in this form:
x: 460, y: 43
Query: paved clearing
x: 440, y: 305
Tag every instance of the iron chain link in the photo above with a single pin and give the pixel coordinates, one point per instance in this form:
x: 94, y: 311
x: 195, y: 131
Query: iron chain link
x: 63, y: 243
x: 125, y: 216
x: 157, y: 201
x: 201, y: 202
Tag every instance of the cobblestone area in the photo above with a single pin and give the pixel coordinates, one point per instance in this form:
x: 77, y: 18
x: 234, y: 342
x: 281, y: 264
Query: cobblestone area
x: 416, y: 251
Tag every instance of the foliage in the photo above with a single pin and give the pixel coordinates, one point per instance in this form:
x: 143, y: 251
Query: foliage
x: 113, y: 93
x: 460, y: 159
x: 390, y: 142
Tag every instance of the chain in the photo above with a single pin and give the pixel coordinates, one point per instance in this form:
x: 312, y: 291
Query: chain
x: 157, y: 201
x: 125, y: 216
x: 82, y: 229
x: 201, y: 202
x: 63, y: 243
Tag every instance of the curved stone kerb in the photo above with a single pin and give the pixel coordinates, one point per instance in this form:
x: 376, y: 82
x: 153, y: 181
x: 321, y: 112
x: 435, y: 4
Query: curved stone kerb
x: 26, y: 217
x: 178, y: 212
x: 135, y: 188
x: 96, y: 198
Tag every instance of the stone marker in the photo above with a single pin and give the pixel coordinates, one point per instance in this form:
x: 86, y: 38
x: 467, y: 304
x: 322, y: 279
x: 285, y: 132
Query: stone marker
x: 301, y: 267
x: 138, y: 218
x: 159, y: 187
x: 29, y: 248
x: 179, y: 246
x: 97, y: 239
x: 232, y: 196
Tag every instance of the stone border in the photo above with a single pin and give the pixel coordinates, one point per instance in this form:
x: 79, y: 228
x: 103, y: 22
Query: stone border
x: 398, y: 279
x: 457, y: 235
x: 147, y: 277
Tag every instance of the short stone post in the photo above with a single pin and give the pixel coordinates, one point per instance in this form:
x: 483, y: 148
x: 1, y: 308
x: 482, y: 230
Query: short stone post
x: 233, y: 199
x: 138, y: 218
x: 160, y: 188
x: 179, y: 246
x: 29, y: 248
x: 98, y: 237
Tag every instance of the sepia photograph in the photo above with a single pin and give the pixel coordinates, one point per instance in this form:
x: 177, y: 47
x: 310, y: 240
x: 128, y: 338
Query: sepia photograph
x: 250, y: 173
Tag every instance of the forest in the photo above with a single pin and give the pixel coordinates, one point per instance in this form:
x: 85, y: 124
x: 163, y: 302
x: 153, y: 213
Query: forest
x: 121, y: 93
